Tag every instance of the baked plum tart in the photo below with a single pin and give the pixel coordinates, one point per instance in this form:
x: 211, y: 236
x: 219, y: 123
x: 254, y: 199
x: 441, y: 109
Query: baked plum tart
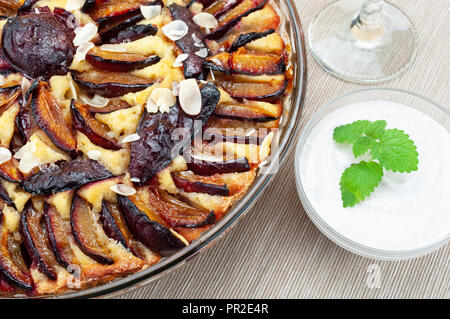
x: 127, y: 129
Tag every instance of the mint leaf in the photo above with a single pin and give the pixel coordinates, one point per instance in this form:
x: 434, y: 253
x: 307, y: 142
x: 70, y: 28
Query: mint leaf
x: 362, y: 145
x: 349, y: 133
x: 376, y: 129
x: 359, y: 181
x: 396, y: 152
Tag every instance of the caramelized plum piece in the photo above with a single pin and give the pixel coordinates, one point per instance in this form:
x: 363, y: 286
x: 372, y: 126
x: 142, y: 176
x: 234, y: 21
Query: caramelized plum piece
x: 90, y: 4
x: 208, y: 168
x: 153, y: 151
x: 109, y: 224
x: 25, y: 120
x: 27, y: 6
x: 8, y: 95
x: 9, y: 7
x: 65, y: 176
x: 5, y: 68
x: 84, y: 233
x: 193, y: 65
x: 114, y: 104
x: 48, y: 115
x: 263, y: 87
x: 95, y: 130
x: 132, y: 33
x: 191, y: 186
x: 245, y: 62
x: 110, y: 84
x: 110, y: 8
x: 36, y: 241
x: 10, y: 171
x: 119, y: 61
x: 246, y: 38
x: 12, y: 265
x: 242, y: 112
x: 58, y: 231
x: 154, y: 235
x: 5, y: 196
x: 110, y: 27
x: 38, y: 44
x: 219, y: 7
x: 231, y: 17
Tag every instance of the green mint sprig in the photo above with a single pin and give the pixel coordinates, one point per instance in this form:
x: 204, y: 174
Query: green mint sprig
x: 391, y: 149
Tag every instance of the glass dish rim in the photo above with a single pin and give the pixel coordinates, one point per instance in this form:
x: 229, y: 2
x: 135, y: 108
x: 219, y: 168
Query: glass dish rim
x: 328, y: 231
x: 289, y: 134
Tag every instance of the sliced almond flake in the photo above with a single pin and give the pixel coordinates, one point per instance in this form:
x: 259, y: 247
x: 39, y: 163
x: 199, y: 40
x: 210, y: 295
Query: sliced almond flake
x: 163, y: 98
x: 212, y: 75
x: 123, y: 189
x: 85, y: 34
x: 195, y: 38
x: 73, y: 90
x: 26, y: 84
x: 28, y: 148
x: 27, y: 163
x: 5, y: 155
x: 82, y: 50
x: 135, y: 180
x: 151, y: 106
x: 175, y: 30
x: 179, y: 237
x: 149, y: 12
x: 216, y: 61
x: 199, y: 45
x: 94, y: 155
x: 175, y: 88
x: 73, y: 5
x: 179, y: 60
x: 2, y: 80
x: 206, y: 20
x: 264, y: 149
x: 131, y: 138
x: 114, y: 47
x: 97, y: 101
x: 190, y: 97
x: 203, y: 53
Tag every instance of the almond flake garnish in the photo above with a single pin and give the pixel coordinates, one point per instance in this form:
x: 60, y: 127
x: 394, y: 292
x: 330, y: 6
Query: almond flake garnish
x: 264, y: 149
x: 73, y: 5
x: 149, y: 12
x: 85, y: 34
x: 175, y: 30
x: 27, y: 148
x: 73, y: 90
x: 131, y: 138
x: 94, y: 155
x: 206, y: 20
x: 151, y: 106
x: 190, y: 97
x: 203, y: 53
x: 2, y: 80
x: 82, y: 50
x: 97, y: 101
x: 163, y: 98
x: 114, y: 47
x: 135, y: 180
x: 195, y: 38
x: 5, y: 155
x: 179, y: 60
x: 123, y: 189
x: 26, y: 84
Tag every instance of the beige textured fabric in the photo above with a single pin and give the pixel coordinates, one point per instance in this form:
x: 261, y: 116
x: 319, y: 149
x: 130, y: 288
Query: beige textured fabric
x: 276, y: 252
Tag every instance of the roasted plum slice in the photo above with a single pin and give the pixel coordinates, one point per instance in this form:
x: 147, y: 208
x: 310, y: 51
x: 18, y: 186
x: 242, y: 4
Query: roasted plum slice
x: 209, y: 168
x: 48, y: 115
x: 219, y: 7
x: 119, y: 61
x: 34, y: 234
x: 5, y: 196
x: 95, y: 130
x: 110, y: 84
x: 5, y: 68
x: 25, y: 120
x: 58, y: 231
x: 8, y: 95
x: 242, y: 112
x: 9, y: 7
x: 193, y: 186
x: 193, y: 65
x: 38, y: 44
x: 114, y: 104
x: 245, y: 62
x: 151, y: 233
x: 231, y: 17
x: 131, y: 33
x: 9, y: 170
x: 263, y: 87
x: 108, y: 216
x: 110, y: 8
x: 27, y: 6
x: 81, y: 221
x: 246, y: 38
x: 111, y: 27
x: 65, y: 176
x: 12, y: 265
x: 90, y: 4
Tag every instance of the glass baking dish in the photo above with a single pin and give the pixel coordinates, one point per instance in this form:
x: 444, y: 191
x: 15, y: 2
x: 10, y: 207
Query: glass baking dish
x: 289, y: 127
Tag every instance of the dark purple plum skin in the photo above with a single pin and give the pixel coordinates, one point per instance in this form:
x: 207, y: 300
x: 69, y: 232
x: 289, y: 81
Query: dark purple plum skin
x: 5, y: 196
x: 207, y: 168
x: 110, y: 226
x: 156, y: 147
x: 245, y: 38
x: 152, y: 234
x: 199, y: 187
x: 119, y: 65
x: 27, y: 6
x: 65, y: 176
x: 32, y: 250
x: 193, y: 65
x: 133, y: 33
x: 110, y: 27
x: 38, y: 44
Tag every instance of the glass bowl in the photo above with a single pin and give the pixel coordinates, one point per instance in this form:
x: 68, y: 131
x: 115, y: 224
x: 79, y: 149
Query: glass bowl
x: 289, y: 125
x: 424, y: 105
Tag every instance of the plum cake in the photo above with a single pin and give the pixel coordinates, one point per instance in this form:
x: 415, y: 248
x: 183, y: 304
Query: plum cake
x: 128, y: 128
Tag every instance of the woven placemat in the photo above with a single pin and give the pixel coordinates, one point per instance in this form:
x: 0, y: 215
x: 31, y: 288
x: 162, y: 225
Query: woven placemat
x: 276, y: 252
